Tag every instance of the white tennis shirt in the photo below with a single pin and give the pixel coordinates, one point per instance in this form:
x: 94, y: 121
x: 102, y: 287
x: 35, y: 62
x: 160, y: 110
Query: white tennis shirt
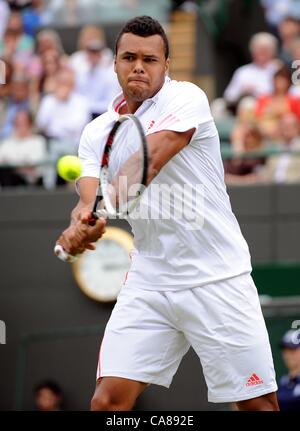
x: 186, y: 234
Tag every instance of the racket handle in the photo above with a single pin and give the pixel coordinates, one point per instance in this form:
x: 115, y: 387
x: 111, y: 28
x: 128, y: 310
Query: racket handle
x: 96, y: 215
x: 61, y: 253
x: 100, y: 214
x: 92, y: 221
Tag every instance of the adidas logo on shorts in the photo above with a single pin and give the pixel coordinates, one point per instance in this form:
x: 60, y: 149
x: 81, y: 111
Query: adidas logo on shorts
x: 254, y: 380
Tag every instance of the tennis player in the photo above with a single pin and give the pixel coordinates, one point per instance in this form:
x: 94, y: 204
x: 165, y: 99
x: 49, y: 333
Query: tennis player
x: 186, y: 286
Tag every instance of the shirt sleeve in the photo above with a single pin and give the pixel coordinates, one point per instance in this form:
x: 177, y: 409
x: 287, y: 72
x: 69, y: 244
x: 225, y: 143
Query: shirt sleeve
x: 89, y: 159
x: 184, y: 109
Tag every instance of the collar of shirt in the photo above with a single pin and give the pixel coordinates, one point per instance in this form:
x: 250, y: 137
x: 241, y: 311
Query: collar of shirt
x: 118, y: 100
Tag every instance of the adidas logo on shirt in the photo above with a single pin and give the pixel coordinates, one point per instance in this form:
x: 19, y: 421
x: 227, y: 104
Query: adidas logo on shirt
x: 254, y: 380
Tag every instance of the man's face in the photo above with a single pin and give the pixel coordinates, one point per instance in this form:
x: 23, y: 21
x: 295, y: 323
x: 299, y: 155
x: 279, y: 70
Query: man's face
x: 15, y: 25
x: 262, y: 53
x: 289, y: 128
x: 292, y: 358
x: 22, y: 121
x: 94, y: 57
x: 141, y: 66
x: 65, y: 85
x: 20, y: 91
x: 289, y: 29
x: 46, y: 400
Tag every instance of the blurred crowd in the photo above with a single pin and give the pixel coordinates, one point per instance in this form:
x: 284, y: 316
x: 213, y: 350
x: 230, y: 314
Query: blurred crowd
x: 49, y: 96
x: 259, y: 114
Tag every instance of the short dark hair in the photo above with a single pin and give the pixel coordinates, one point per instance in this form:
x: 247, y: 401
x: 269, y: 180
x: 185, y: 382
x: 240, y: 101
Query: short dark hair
x: 291, y: 18
x: 51, y: 385
x: 144, y: 26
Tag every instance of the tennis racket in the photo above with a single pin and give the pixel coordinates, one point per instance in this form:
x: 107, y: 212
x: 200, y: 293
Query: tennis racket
x: 123, y: 174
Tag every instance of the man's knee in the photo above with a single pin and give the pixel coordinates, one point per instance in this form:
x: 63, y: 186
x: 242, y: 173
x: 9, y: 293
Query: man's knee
x: 264, y: 403
x: 116, y: 394
x: 105, y: 402
x: 271, y: 403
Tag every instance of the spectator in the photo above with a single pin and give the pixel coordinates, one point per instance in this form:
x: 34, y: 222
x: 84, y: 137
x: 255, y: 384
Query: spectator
x: 295, y: 49
x: 244, y: 169
x: 90, y: 33
x: 48, y: 397
x: 21, y: 153
x: 289, y: 386
x: 16, y: 46
x: 33, y: 17
x: 18, y: 100
x: 50, y: 66
x: 289, y: 31
x: 285, y: 167
x: 245, y: 118
x: 96, y: 79
x: 46, y: 82
x: 63, y: 114
x: 64, y: 12
x: 5, y: 93
x: 277, y: 10
x: 18, y: 4
x: 270, y: 108
x: 4, y: 14
x: 46, y: 40
x: 255, y: 78
x: 94, y: 58
x: 62, y: 117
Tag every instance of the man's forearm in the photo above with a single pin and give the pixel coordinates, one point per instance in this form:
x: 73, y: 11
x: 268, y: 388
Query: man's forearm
x: 88, y: 188
x: 78, y: 209
x: 80, y: 234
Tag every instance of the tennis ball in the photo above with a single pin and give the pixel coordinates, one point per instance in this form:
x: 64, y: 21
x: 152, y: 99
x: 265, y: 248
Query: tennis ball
x: 69, y: 168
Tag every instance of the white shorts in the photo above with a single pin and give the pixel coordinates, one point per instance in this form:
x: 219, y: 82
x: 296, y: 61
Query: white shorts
x: 149, y: 332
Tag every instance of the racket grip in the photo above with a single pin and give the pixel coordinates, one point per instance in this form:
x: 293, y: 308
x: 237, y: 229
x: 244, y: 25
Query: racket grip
x: 92, y: 221
x: 61, y: 253
x: 99, y: 213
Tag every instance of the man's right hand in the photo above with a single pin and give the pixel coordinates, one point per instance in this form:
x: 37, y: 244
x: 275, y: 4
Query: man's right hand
x: 81, y: 235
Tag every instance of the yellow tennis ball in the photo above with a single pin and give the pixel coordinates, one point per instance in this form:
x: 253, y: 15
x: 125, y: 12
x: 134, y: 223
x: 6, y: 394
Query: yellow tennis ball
x: 69, y: 168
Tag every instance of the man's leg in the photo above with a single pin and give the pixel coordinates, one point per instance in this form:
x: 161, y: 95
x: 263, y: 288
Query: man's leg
x: 116, y: 394
x: 227, y: 330
x: 266, y: 402
x: 141, y: 345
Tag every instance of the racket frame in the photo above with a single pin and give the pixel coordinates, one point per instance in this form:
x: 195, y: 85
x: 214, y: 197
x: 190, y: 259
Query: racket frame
x: 102, y: 191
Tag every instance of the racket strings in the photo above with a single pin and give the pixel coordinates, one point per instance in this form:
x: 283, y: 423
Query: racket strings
x: 125, y: 168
